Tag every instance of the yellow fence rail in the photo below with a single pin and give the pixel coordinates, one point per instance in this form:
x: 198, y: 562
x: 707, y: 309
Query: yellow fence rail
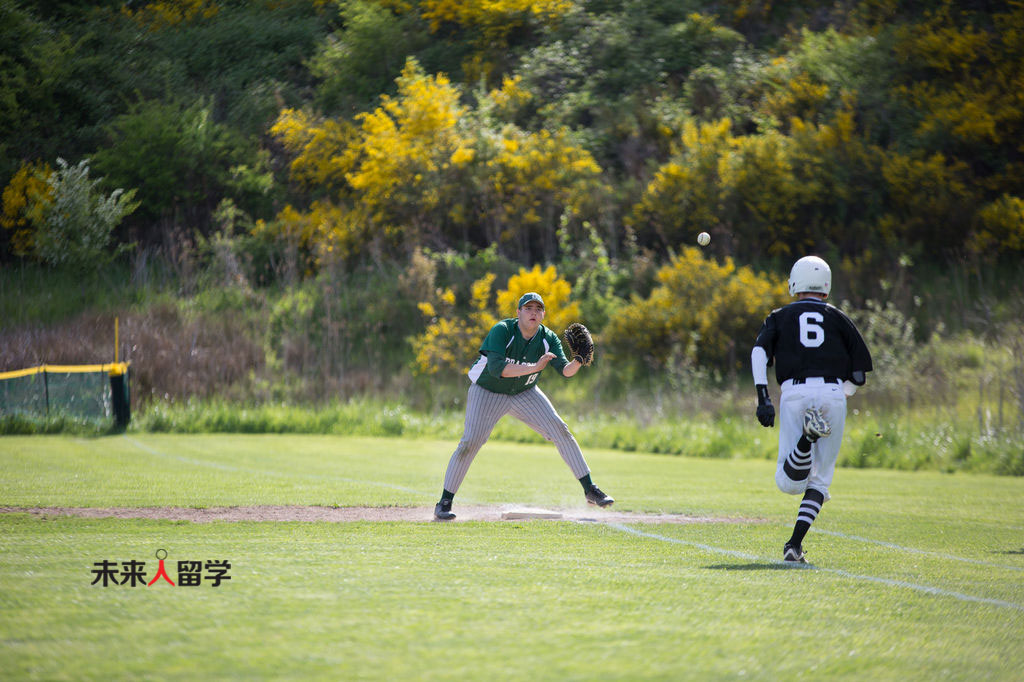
x: 112, y: 368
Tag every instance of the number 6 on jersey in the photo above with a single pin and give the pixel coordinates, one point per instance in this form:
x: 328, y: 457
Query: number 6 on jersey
x: 812, y: 334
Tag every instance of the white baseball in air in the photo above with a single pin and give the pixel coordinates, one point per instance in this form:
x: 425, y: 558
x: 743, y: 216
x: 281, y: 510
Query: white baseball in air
x: 703, y: 238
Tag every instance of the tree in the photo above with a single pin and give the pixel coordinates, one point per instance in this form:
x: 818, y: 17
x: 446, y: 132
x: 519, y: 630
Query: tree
x: 358, y: 63
x: 183, y: 162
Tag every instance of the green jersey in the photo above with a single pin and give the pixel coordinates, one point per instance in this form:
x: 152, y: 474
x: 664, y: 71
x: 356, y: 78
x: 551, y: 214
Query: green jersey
x: 505, y: 344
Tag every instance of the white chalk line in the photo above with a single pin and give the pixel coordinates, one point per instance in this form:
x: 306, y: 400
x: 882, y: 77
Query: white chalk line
x: 927, y: 589
x: 926, y: 552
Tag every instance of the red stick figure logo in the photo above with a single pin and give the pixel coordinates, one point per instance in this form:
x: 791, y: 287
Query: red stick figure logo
x: 162, y: 571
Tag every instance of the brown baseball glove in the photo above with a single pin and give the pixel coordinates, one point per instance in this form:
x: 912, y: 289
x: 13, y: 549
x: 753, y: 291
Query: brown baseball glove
x: 580, y: 343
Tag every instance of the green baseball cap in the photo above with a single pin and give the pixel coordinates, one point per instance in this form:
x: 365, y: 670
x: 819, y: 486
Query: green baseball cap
x: 530, y: 296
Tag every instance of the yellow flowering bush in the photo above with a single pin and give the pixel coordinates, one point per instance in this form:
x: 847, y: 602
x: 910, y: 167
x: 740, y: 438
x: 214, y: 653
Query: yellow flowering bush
x: 511, y: 95
x: 496, y: 18
x: 325, y: 230
x: 318, y: 147
x: 419, y: 170
x: 560, y: 311
x: 530, y: 180
x: 686, y: 193
x: 450, y: 341
x: 705, y: 310
x: 25, y: 199
x: 158, y: 15
x: 390, y: 168
x: 1001, y: 226
x: 975, y: 80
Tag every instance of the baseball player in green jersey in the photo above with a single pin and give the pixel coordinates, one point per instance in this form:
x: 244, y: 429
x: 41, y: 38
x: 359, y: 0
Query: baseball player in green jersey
x: 504, y: 381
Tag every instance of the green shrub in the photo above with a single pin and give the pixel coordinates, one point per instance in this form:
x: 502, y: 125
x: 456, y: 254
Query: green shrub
x: 76, y: 225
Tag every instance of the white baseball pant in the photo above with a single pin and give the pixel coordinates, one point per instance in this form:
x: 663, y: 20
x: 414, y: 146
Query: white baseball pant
x: 795, y: 399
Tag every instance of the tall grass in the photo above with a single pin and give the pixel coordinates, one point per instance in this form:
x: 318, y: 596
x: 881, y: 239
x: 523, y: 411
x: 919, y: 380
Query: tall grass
x: 356, y: 417
x: 919, y: 440
x: 30, y: 425
x: 915, y: 441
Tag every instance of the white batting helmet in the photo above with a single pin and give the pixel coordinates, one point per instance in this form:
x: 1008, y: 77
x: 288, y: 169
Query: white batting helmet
x: 812, y: 274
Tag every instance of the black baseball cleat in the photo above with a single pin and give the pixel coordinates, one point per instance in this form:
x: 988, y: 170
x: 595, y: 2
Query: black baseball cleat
x: 596, y: 496
x: 443, y: 511
x: 793, y: 554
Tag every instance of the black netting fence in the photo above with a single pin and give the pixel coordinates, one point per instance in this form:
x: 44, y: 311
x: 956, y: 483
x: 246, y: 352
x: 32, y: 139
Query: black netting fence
x: 89, y: 391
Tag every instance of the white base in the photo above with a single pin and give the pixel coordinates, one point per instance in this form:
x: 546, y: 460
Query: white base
x: 529, y: 513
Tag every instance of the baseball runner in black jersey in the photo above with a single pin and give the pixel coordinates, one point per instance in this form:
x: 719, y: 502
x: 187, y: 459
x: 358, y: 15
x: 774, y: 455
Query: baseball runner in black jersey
x: 820, y: 358
x: 504, y: 381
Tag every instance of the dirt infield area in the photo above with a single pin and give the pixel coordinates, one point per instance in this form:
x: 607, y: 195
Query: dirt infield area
x: 349, y: 514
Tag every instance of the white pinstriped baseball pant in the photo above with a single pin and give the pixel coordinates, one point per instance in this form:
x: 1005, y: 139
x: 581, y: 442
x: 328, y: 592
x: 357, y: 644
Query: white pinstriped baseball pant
x: 483, y: 410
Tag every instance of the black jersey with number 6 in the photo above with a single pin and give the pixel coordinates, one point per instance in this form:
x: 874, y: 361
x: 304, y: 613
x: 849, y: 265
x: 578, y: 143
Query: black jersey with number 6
x: 811, y: 338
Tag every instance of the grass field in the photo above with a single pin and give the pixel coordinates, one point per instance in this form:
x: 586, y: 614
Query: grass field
x: 914, y: 576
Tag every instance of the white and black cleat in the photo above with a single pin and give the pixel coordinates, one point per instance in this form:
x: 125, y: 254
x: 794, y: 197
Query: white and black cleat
x: 815, y: 424
x: 443, y: 511
x: 793, y: 554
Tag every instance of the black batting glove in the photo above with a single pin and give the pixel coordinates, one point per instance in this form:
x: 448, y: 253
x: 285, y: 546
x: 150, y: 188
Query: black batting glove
x: 765, y: 409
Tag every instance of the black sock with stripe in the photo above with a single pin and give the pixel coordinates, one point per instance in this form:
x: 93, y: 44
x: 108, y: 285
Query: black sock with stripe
x: 810, y: 506
x: 798, y: 463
